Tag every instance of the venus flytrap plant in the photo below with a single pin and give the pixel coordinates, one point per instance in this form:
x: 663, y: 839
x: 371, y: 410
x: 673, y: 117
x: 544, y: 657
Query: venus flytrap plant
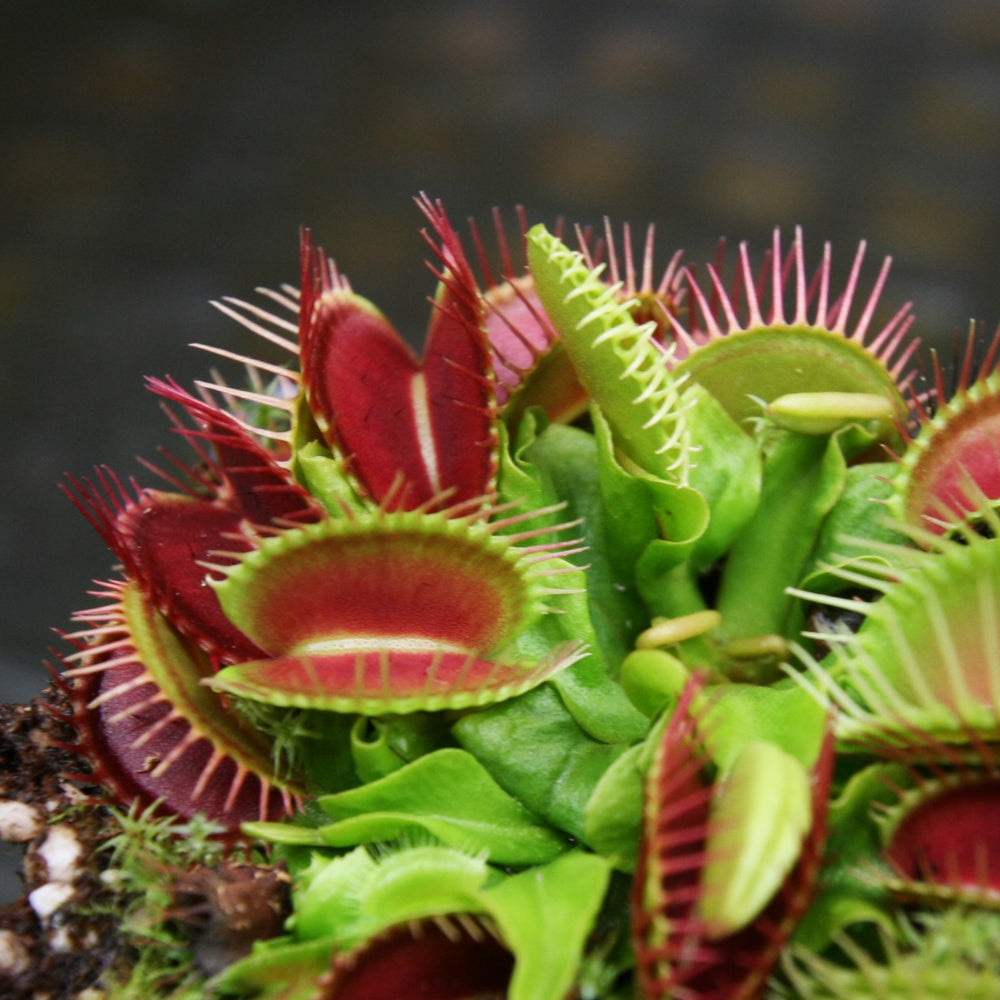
x: 917, y: 685
x: 428, y: 636
x: 645, y: 299
x: 440, y: 434
x: 388, y: 907
x: 923, y: 670
x: 803, y: 462
x: 529, y: 357
x: 826, y: 412
x: 731, y: 350
x: 529, y: 362
x: 558, y: 700
x: 641, y: 422
x: 139, y: 689
x: 616, y: 359
x: 930, y: 860
x: 700, y: 928
x: 951, y: 467
x: 154, y: 733
x: 836, y: 391
x: 935, y: 957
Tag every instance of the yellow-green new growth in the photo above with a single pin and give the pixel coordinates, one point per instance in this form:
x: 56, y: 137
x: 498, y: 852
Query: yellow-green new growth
x: 616, y: 359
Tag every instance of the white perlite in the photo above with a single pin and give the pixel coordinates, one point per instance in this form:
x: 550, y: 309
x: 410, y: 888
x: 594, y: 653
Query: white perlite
x: 46, y: 899
x: 14, y: 957
x: 61, y: 851
x: 60, y: 939
x: 19, y: 821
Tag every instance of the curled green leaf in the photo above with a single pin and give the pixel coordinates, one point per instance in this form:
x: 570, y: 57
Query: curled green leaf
x: 450, y: 795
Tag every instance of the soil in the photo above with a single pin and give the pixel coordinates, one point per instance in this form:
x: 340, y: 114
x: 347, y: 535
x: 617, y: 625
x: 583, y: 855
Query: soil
x: 58, y: 940
x: 62, y: 939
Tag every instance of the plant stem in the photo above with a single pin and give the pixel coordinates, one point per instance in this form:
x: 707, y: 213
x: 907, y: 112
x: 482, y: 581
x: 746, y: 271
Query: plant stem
x: 803, y: 476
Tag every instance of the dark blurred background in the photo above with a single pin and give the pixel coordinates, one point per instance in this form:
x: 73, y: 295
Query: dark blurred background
x: 157, y: 154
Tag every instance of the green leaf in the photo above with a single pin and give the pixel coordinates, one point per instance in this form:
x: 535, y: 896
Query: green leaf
x: 726, y: 471
x: 284, y: 833
x: 450, y: 795
x: 846, y: 896
x: 784, y: 714
x: 653, y: 524
x: 327, y: 480
x: 568, y: 460
x: 545, y: 916
x: 614, y: 812
x: 627, y: 504
x: 803, y: 478
x: 654, y: 527
x: 518, y: 481
x: 380, y: 745
x: 322, y: 742
x: 827, y: 412
x: 559, y: 465
x: 556, y: 765
x: 858, y: 517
